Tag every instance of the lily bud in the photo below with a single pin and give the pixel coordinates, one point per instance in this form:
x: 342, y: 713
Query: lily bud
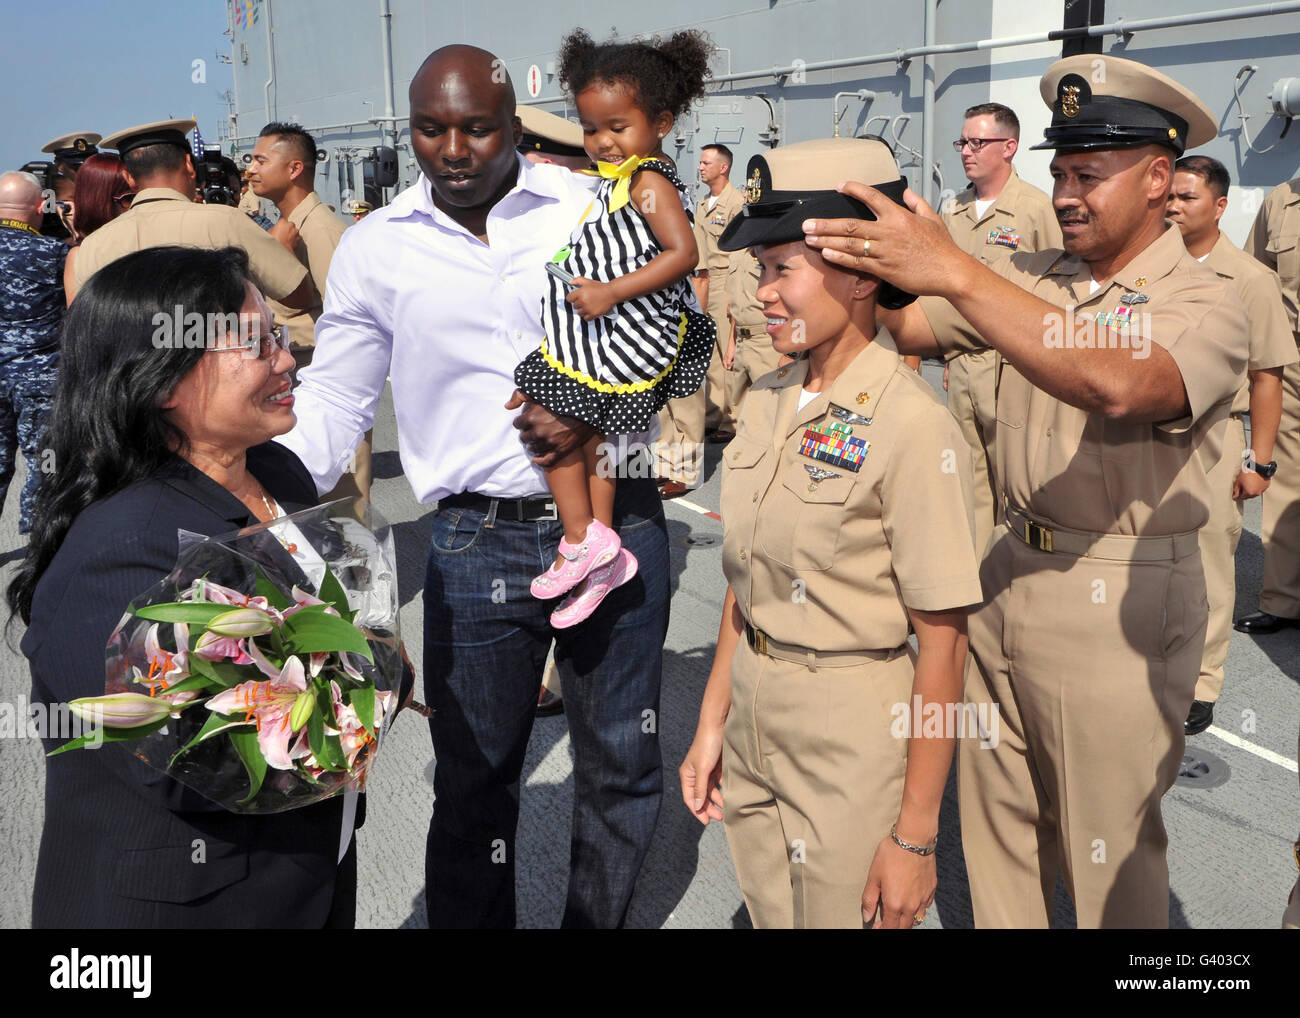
x: 120, y: 710
x: 301, y: 709
x: 241, y: 622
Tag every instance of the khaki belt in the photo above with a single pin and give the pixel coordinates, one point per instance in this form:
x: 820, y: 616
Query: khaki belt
x: 761, y: 643
x: 1107, y: 546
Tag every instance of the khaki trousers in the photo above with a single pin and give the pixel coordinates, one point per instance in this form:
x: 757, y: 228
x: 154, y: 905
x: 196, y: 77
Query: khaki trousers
x: 755, y: 357
x: 1280, y: 593
x: 679, y: 452
x: 719, y: 412
x: 1218, y: 540
x: 1091, y: 664
x: 972, y: 401
x: 812, y: 781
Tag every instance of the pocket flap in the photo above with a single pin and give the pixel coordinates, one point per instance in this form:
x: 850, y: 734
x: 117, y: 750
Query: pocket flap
x: 743, y: 452
x: 170, y: 873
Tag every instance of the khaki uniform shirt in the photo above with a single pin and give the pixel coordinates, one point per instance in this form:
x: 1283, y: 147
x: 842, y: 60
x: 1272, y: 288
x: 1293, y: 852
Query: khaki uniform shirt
x: 1021, y: 218
x: 319, y: 231
x: 709, y: 224
x: 1077, y: 470
x: 743, y: 271
x: 834, y: 563
x: 1275, y: 241
x: 161, y: 216
x: 1272, y: 344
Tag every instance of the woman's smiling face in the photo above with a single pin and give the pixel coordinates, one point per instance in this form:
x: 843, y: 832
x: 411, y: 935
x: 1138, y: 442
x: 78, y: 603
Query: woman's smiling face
x: 807, y: 300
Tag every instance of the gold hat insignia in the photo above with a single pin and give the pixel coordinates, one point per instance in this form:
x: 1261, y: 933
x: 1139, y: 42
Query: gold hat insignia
x: 1070, y: 100
x: 754, y: 187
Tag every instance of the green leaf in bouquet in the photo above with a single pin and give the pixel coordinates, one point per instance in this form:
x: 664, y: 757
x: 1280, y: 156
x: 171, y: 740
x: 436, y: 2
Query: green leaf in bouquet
x: 316, y: 731
x: 106, y: 735
x: 215, y: 723
x: 199, y: 682
x: 250, y: 754
x: 189, y: 612
x: 363, y: 702
x: 331, y: 756
x: 314, y: 632
x: 332, y: 592
x: 274, y: 596
x: 223, y: 673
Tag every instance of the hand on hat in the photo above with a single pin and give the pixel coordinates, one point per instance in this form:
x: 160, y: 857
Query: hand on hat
x: 914, y: 252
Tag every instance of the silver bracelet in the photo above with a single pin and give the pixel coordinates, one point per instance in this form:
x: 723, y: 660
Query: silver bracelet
x: 918, y: 849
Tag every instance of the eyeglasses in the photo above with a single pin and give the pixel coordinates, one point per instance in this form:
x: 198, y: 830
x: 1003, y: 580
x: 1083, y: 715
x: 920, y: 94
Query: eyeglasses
x: 975, y: 143
x: 268, y: 344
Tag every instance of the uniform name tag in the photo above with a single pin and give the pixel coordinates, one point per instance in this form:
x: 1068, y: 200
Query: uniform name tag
x: 1004, y: 236
x: 834, y: 444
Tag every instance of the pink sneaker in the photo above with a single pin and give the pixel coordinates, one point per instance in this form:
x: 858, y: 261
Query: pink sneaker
x: 599, y: 548
x: 584, y: 600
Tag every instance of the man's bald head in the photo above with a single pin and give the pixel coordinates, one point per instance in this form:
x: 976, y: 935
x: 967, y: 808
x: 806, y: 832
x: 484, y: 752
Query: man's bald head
x: 464, y: 131
x: 469, y: 67
x: 21, y: 197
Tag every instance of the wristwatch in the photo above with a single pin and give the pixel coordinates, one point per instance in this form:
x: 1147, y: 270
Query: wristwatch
x: 1265, y: 470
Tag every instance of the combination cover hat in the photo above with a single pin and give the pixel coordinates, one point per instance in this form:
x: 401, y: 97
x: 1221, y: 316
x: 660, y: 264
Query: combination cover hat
x: 76, y: 147
x: 796, y: 182
x: 546, y: 133
x: 1101, y: 102
x: 161, y: 132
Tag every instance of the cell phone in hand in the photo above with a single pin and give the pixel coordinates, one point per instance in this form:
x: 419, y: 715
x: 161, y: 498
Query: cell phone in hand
x: 564, y: 277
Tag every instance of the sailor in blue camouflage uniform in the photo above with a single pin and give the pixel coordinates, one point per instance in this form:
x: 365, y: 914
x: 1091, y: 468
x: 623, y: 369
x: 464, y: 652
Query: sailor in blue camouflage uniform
x: 31, y: 312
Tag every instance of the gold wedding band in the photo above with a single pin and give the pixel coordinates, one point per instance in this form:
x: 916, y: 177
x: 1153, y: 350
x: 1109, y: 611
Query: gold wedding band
x: 865, y: 244
x: 918, y: 920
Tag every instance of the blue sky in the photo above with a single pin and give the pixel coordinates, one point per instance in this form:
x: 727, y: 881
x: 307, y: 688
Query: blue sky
x: 72, y: 65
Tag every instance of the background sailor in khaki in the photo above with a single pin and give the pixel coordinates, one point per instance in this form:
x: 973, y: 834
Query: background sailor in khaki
x: 283, y: 171
x: 157, y: 159
x: 684, y: 422
x: 1275, y: 241
x: 1196, y: 203
x: 846, y: 502
x: 69, y: 151
x: 749, y: 354
x: 1090, y: 638
x: 998, y: 214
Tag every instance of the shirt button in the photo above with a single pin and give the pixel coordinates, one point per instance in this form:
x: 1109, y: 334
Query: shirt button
x: 519, y: 335
x: 501, y: 276
x: 742, y: 554
x: 755, y: 498
x: 1049, y: 432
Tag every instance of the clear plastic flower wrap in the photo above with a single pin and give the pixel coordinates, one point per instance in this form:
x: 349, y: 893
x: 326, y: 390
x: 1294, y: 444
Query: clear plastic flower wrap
x: 264, y: 671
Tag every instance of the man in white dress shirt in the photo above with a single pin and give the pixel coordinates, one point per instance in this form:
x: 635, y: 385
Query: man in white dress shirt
x: 441, y: 291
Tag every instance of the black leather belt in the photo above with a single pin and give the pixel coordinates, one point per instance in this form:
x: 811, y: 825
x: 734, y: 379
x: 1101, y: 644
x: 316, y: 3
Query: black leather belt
x: 537, y: 509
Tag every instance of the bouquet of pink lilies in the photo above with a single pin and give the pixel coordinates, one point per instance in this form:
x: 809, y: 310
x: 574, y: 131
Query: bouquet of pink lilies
x: 263, y: 672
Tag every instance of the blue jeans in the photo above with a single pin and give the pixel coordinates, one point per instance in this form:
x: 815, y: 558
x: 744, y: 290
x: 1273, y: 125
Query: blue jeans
x: 485, y: 644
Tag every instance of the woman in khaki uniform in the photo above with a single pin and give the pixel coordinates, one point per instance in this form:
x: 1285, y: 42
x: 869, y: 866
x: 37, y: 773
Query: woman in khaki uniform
x: 824, y: 739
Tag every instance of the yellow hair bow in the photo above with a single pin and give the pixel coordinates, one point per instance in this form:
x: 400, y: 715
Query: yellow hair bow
x: 623, y: 174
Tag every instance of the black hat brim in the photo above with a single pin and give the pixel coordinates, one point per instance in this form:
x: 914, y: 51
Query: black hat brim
x: 779, y: 217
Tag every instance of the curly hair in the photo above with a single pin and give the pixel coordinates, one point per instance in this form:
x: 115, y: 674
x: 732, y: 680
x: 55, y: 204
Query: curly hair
x: 663, y: 75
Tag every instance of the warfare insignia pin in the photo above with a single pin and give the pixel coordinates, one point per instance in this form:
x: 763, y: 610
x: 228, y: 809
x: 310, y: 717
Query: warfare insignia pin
x: 818, y: 474
x: 848, y: 416
x: 1133, y: 298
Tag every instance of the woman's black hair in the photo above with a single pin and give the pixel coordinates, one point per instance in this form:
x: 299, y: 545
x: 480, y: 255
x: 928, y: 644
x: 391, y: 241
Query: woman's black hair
x: 663, y: 75
x: 121, y: 356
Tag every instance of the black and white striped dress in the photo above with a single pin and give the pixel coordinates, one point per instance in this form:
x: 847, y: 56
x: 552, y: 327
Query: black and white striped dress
x: 617, y: 371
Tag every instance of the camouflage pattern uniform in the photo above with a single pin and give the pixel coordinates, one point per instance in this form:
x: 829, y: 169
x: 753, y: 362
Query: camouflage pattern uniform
x: 31, y: 312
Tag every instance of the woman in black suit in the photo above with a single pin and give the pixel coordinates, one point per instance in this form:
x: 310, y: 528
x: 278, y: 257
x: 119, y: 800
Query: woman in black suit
x: 149, y: 441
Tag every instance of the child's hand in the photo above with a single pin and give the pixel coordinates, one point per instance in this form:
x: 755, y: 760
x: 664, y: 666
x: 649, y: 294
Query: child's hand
x: 591, y: 298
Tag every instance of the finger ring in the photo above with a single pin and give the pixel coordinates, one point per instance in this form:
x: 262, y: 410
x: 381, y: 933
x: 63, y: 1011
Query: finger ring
x: 917, y: 921
x: 865, y: 244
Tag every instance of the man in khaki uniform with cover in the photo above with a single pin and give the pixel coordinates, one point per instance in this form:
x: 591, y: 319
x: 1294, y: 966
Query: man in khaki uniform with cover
x: 998, y: 214
x: 1275, y: 241
x: 749, y: 353
x: 1196, y: 202
x: 1121, y: 360
x: 684, y: 422
x: 158, y: 162
x: 283, y: 170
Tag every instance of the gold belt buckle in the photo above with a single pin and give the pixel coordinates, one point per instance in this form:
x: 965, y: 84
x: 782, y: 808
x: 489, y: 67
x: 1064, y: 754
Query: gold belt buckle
x: 1038, y: 537
x: 760, y: 640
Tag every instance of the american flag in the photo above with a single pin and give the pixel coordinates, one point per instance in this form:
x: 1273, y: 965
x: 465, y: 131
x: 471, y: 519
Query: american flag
x: 198, y: 141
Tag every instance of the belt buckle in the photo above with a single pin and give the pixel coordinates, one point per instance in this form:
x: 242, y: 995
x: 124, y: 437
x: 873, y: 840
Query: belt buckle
x: 551, y: 513
x: 1038, y: 537
x: 760, y: 641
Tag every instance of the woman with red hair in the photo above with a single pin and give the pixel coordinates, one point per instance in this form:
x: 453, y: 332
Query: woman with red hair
x: 102, y: 193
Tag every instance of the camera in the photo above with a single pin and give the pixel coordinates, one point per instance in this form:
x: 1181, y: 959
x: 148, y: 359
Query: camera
x: 218, y: 178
